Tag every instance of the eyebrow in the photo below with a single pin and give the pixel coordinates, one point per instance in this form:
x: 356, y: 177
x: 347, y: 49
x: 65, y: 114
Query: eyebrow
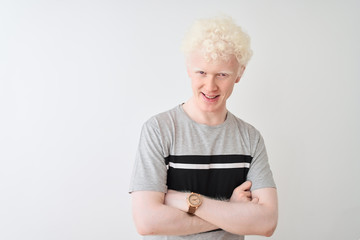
x: 226, y: 72
x: 199, y: 69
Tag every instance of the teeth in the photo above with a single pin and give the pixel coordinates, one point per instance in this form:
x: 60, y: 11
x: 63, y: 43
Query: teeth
x: 210, y: 96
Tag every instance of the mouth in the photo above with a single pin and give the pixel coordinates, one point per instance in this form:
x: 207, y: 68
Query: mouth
x: 210, y: 97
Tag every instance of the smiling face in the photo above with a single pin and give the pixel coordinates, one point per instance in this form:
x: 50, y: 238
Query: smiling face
x: 212, y: 82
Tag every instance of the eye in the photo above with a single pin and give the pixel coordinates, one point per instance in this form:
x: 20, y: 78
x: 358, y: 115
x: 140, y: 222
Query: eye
x: 222, y: 75
x: 202, y: 72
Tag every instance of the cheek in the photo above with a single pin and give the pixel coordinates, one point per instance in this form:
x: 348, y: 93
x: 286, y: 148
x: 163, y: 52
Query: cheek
x: 195, y: 83
x: 229, y: 88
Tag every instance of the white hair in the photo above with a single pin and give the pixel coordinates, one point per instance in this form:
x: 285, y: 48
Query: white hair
x: 218, y: 38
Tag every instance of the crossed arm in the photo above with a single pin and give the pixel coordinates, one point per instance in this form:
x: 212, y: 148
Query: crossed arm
x: 246, y: 213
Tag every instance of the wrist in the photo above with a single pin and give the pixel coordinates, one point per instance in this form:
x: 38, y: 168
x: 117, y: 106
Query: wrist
x: 194, y: 201
x: 175, y: 199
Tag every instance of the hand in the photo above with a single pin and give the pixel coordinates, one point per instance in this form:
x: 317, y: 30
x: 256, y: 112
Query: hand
x: 242, y: 194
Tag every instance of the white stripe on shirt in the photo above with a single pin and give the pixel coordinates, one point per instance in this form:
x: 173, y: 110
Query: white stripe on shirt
x: 209, y: 166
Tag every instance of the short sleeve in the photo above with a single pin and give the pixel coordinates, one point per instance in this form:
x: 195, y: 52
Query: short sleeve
x: 149, y: 172
x: 260, y: 173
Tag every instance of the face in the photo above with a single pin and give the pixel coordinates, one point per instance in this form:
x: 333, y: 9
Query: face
x: 212, y: 82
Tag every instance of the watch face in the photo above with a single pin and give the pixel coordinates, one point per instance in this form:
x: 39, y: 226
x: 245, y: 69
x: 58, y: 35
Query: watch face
x: 194, y: 199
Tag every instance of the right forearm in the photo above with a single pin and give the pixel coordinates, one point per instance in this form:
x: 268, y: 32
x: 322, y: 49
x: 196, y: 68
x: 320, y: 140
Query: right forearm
x: 165, y: 220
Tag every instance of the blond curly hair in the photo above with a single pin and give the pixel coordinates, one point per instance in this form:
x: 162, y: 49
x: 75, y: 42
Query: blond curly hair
x: 218, y: 38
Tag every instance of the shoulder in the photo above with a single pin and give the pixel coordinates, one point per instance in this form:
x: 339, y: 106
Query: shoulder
x: 246, y: 128
x: 164, y: 121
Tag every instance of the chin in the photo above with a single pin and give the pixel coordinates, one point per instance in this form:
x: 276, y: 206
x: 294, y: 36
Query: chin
x: 209, y: 109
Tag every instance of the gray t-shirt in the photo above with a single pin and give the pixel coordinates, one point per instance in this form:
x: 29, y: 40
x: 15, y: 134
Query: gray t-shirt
x: 177, y: 153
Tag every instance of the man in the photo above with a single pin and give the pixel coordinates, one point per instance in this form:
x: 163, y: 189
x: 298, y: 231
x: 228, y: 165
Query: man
x: 201, y: 172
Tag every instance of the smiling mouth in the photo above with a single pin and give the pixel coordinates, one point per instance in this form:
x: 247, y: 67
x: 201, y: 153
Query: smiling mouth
x: 210, y: 97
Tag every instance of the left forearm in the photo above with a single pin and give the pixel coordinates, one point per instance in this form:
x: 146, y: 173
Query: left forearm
x: 243, y: 218
x: 236, y: 216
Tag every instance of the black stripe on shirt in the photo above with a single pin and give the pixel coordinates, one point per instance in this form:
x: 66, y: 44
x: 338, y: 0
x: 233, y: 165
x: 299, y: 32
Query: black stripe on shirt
x: 200, y: 159
x: 215, y: 183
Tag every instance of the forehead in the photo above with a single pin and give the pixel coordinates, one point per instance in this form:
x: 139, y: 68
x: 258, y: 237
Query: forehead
x: 196, y: 59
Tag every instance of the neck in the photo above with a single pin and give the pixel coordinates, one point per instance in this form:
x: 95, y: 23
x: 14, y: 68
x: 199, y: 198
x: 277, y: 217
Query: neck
x: 207, y: 118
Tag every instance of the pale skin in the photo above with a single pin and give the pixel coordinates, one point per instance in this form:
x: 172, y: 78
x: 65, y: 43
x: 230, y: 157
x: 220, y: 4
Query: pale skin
x: 246, y: 213
x: 239, y: 216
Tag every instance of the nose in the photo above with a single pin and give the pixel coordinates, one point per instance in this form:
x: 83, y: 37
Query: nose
x: 210, y: 84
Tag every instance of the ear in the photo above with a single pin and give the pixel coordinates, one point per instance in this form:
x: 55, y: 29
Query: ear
x: 241, y: 71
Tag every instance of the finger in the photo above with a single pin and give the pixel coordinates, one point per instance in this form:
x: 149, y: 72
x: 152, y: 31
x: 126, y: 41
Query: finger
x: 245, y: 186
x: 255, y: 200
x: 246, y: 194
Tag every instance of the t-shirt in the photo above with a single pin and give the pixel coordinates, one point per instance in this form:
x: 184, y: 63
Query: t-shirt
x: 178, y: 153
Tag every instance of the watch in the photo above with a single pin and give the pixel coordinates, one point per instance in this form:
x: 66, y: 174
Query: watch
x: 194, y: 201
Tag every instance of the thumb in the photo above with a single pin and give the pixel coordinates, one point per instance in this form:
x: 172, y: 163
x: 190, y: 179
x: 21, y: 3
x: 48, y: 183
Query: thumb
x: 255, y: 200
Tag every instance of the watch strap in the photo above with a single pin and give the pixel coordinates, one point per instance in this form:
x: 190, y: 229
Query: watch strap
x: 191, y: 209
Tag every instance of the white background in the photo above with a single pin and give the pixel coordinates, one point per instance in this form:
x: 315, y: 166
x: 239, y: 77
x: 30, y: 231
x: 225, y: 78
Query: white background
x: 78, y: 79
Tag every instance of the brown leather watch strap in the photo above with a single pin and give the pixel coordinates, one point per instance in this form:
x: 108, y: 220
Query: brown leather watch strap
x: 191, y: 210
